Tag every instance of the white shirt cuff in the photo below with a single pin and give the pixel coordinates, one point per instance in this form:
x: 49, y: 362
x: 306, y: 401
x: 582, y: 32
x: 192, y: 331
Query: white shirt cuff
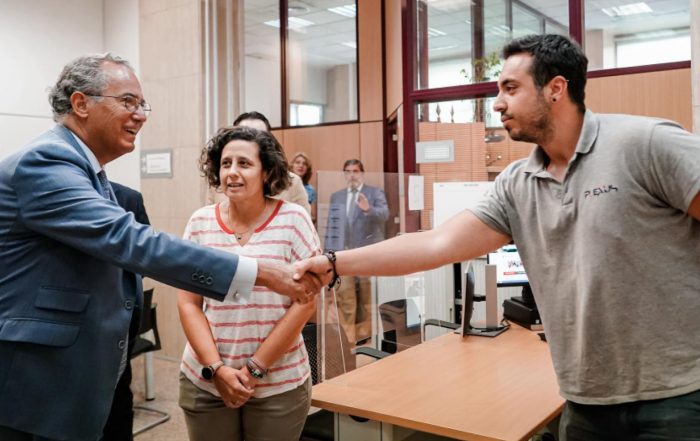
x: 243, y: 281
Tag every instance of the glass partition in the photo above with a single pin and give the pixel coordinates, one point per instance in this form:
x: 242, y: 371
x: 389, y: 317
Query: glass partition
x: 321, y: 62
x: 389, y: 314
x: 261, y: 63
x: 635, y: 34
x: 459, y: 42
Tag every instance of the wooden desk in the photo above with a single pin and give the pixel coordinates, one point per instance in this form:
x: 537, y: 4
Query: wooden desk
x: 478, y: 388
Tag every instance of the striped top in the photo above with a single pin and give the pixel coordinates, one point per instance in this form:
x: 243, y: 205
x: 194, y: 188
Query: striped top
x: 286, y: 236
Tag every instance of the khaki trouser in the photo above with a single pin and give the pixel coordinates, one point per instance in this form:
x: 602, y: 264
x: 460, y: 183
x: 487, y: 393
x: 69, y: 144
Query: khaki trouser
x: 355, y: 307
x: 276, y: 418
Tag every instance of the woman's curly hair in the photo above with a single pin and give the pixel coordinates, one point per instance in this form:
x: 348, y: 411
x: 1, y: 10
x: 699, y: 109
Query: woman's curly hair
x: 272, y: 157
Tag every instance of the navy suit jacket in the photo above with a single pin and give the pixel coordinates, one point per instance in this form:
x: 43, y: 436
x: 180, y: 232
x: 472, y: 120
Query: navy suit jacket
x: 365, y: 228
x: 132, y: 201
x: 65, y: 300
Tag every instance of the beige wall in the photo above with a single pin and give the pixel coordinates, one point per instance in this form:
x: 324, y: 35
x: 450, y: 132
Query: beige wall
x: 695, y: 68
x: 172, y: 78
x: 664, y: 94
x: 393, y: 51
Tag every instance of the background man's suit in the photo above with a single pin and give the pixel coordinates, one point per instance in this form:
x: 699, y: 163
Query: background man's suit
x: 65, y: 301
x: 358, y: 230
x: 120, y: 423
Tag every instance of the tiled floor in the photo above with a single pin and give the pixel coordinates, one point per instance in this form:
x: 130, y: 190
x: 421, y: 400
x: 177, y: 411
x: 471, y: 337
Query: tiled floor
x: 166, y: 382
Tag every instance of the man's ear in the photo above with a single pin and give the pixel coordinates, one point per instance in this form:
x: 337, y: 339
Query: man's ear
x: 79, y: 103
x: 558, y: 87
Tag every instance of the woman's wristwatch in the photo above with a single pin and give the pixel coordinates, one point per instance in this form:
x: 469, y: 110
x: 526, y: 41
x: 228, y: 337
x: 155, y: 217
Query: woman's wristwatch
x: 208, y: 372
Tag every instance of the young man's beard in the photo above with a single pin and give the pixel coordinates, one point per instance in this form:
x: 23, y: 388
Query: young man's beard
x: 536, y: 128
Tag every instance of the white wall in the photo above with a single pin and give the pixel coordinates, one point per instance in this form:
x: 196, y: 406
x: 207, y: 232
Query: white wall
x: 38, y: 38
x: 121, y: 36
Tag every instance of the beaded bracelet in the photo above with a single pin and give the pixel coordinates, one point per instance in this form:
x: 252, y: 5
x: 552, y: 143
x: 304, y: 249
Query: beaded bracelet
x: 335, y: 281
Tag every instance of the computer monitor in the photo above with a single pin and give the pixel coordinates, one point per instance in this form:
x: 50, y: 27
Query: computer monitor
x: 510, y: 270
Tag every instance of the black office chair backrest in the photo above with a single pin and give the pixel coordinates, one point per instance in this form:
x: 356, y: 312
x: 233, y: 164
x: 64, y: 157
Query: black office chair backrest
x: 148, y: 322
x: 396, y: 335
x: 338, y: 357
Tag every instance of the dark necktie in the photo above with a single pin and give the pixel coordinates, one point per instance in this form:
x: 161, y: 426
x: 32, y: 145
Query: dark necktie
x: 104, y: 182
x: 353, y: 204
x: 349, y: 218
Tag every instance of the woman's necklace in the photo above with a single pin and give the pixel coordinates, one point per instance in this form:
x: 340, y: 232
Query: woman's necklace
x: 239, y: 236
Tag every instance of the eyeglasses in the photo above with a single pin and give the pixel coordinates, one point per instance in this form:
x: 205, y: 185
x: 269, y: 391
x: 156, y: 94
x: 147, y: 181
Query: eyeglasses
x: 131, y: 103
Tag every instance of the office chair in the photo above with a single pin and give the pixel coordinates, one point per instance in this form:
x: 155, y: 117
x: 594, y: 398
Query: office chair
x: 146, y: 343
x: 397, y: 335
x: 337, y: 359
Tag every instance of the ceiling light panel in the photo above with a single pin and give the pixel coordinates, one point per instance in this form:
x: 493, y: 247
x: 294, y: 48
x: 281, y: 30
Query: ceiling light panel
x: 292, y: 23
x: 629, y: 9
x: 345, y: 10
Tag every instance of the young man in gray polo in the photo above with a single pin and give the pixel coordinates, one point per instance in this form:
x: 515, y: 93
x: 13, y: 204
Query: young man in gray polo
x: 606, y: 216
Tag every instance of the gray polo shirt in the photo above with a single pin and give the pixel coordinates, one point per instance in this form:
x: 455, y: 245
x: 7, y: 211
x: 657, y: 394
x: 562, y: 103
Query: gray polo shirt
x: 612, y: 256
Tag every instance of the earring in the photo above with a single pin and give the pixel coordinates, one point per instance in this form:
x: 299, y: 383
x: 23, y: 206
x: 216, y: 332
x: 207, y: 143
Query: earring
x: 554, y: 100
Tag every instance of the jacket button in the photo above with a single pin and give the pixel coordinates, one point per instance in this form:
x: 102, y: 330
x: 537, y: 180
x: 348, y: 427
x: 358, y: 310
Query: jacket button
x: 210, y: 280
x: 121, y: 344
x: 202, y: 278
x: 129, y: 305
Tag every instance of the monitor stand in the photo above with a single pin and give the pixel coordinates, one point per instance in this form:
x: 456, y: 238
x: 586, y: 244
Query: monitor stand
x: 493, y: 327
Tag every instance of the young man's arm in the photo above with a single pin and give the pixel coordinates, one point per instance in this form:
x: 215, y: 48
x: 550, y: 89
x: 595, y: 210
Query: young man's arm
x: 461, y: 238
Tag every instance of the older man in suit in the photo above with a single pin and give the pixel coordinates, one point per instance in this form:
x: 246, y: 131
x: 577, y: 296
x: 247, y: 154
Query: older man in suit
x: 65, y: 300
x: 356, y: 217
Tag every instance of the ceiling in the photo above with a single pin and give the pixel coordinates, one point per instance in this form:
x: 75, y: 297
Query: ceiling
x: 324, y: 43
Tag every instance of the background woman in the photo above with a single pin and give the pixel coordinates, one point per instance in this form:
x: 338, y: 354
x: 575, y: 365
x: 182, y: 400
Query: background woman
x: 302, y: 167
x: 245, y: 370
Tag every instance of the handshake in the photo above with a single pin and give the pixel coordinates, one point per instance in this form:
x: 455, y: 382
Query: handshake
x: 301, y: 281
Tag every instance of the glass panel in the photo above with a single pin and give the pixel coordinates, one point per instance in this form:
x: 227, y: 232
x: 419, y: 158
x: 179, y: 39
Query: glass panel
x: 322, y: 59
x: 654, y: 31
x: 261, y: 64
x: 443, y: 43
x: 526, y: 22
x: 388, y: 313
x: 460, y: 41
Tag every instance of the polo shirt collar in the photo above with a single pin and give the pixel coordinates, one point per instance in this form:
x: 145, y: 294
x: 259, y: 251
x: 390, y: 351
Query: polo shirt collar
x: 589, y: 132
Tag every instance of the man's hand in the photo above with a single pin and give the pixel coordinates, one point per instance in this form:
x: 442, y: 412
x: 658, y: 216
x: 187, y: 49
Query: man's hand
x: 318, y: 265
x: 279, y: 278
x: 362, y: 202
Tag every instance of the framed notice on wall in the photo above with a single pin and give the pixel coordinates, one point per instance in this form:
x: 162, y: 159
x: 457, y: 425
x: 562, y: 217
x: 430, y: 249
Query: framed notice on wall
x: 157, y: 163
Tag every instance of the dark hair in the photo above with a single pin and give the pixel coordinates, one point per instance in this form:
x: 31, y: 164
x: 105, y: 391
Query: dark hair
x: 554, y: 55
x: 354, y: 162
x: 309, y: 167
x: 252, y: 115
x: 274, y: 163
x: 84, y: 74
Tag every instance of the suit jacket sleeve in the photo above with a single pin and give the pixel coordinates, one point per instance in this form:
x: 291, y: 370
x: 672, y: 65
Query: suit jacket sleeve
x: 57, y: 199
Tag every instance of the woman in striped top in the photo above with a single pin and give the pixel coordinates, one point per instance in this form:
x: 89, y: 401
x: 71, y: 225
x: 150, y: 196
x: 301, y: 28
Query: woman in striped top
x: 245, y: 370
